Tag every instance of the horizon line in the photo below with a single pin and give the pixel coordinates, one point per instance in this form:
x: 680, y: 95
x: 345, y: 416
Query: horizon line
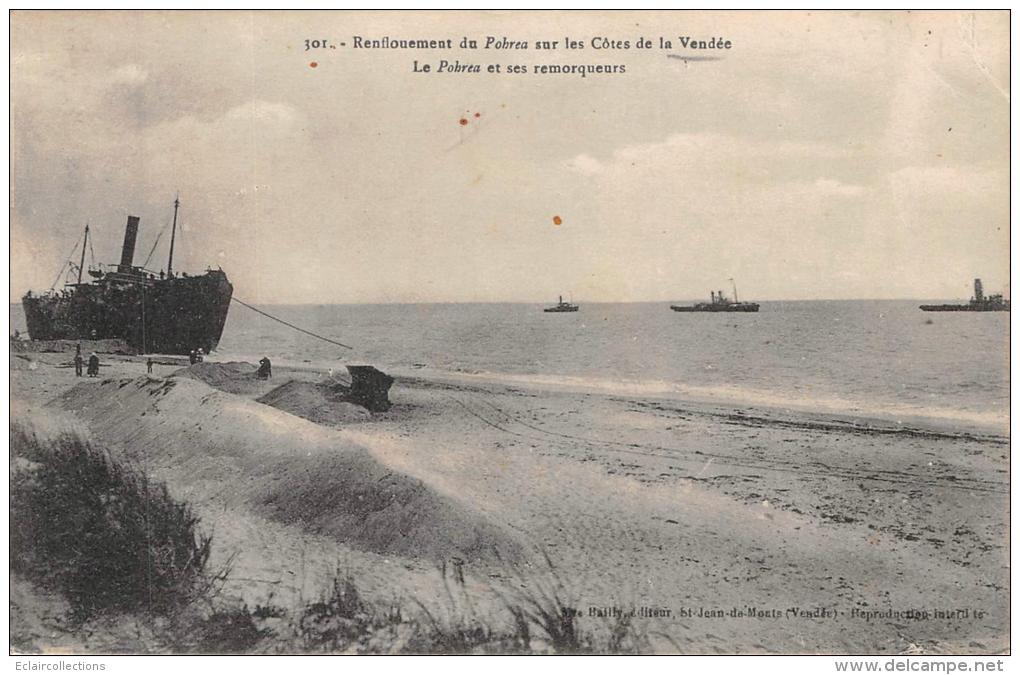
x: 589, y: 302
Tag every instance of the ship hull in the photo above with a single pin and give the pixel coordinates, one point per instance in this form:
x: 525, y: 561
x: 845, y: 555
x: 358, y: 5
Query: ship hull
x: 963, y: 308
x: 742, y: 307
x: 172, y: 316
x: 556, y: 310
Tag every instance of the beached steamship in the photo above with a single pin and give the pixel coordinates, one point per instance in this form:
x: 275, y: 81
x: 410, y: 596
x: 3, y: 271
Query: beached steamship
x: 165, y: 314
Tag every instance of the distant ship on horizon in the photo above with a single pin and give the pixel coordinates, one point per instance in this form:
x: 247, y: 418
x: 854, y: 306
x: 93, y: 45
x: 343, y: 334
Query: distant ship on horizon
x: 562, y: 307
x: 719, y: 303
x: 979, y: 303
x: 155, y: 314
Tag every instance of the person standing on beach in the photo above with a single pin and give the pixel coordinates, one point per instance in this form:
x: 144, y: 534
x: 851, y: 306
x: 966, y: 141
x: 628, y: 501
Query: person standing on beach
x: 78, y: 361
x: 93, y: 365
x: 148, y: 365
x: 193, y: 357
x: 265, y: 370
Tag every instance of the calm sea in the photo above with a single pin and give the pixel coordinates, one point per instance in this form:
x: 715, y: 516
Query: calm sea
x: 861, y: 357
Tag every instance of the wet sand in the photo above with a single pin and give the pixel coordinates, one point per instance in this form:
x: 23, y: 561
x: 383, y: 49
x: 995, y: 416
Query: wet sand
x: 728, y: 529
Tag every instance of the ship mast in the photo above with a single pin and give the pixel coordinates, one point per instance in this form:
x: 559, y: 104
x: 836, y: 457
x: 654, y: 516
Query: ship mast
x: 84, y: 243
x: 735, y: 298
x: 173, y: 235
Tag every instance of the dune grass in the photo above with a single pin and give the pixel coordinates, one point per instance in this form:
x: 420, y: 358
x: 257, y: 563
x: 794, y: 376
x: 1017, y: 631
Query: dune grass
x: 112, y: 542
x: 101, y: 533
x: 537, y: 619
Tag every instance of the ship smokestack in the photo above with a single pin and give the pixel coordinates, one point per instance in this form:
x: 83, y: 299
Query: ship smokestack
x: 720, y: 296
x: 127, y: 254
x: 713, y: 296
x: 979, y: 291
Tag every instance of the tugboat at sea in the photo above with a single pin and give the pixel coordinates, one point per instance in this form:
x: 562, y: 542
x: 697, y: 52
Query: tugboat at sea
x: 720, y: 303
x: 979, y: 303
x: 562, y: 307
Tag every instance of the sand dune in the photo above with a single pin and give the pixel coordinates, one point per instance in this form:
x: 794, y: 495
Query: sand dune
x: 209, y: 444
x: 236, y: 377
x: 638, y: 501
x: 313, y: 402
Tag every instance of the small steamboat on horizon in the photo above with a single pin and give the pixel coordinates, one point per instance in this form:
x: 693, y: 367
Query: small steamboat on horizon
x: 719, y: 303
x: 979, y: 303
x: 562, y: 307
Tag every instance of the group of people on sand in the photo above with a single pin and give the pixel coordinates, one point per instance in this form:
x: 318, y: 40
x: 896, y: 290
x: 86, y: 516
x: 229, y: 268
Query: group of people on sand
x: 79, y: 361
x: 264, y: 372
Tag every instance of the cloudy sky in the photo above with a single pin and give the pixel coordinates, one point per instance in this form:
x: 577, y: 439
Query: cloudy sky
x: 833, y: 155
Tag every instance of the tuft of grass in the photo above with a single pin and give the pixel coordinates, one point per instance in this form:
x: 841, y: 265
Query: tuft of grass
x: 541, y: 620
x: 556, y: 618
x: 342, y: 620
x: 230, y: 630
x: 456, y: 628
x: 269, y: 611
x: 543, y: 601
x: 101, y: 533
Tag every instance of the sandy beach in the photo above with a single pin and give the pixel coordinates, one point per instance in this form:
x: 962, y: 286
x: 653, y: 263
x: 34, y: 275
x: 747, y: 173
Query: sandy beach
x: 724, y: 528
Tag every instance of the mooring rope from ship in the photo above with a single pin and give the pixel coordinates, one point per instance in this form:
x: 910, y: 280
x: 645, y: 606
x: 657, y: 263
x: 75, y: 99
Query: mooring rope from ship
x: 290, y: 325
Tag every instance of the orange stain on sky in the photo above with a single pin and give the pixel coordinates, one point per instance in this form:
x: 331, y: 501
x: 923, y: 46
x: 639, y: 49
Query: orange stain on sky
x: 313, y: 64
x: 463, y: 121
x: 557, y: 220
